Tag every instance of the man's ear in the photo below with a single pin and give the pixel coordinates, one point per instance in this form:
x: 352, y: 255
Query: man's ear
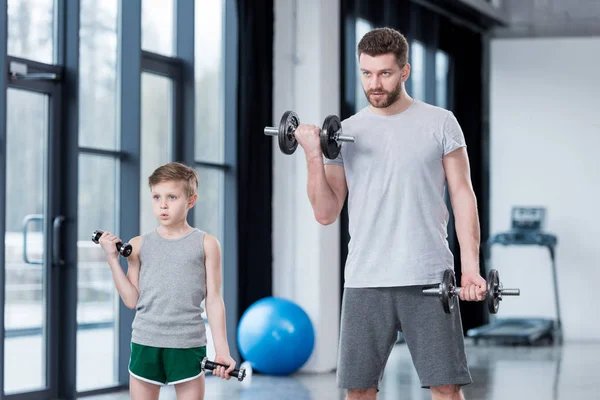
x: 405, y: 72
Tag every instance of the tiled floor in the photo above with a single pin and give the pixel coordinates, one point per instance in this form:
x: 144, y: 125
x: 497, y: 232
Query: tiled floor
x: 549, y: 373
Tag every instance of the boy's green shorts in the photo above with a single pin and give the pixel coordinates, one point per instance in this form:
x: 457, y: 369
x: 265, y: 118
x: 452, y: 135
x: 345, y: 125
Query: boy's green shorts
x: 164, y: 366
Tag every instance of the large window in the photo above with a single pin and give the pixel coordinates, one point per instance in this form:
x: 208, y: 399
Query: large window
x: 210, y: 104
x: 26, y: 274
x: 417, y: 72
x: 31, y: 30
x: 99, y: 161
x: 362, y: 27
x: 441, y: 78
x: 94, y: 95
x: 157, y: 136
x: 158, y: 23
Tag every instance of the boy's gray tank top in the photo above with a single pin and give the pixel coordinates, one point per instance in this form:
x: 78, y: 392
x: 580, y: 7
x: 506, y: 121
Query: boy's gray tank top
x: 172, y: 286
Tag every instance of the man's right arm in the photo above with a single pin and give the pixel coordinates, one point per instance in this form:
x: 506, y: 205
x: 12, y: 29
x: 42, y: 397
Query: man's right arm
x: 326, y: 185
x: 327, y: 189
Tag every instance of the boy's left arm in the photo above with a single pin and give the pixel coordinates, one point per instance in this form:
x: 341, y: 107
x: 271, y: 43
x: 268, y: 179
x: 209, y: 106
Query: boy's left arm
x: 464, y: 205
x: 215, y: 307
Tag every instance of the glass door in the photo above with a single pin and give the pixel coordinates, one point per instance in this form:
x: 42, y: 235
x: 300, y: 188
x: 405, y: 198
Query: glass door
x: 31, y: 235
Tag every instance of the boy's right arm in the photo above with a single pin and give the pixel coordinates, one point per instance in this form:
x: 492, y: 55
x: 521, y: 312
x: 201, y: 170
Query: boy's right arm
x: 127, y: 285
x: 326, y: 187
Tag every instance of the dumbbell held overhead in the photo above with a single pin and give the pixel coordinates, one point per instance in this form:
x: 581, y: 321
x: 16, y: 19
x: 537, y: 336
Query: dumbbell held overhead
x: 124, y: 249
x: 331, y: 134
x: 447, y: 290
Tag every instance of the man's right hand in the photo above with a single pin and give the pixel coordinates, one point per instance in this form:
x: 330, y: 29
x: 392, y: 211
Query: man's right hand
x: 108, y: 241
x: 308, y: 136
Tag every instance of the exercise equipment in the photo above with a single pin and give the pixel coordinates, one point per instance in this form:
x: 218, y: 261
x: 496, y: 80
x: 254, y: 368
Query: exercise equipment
x: 275, y: 336
x: 124, y: 249
x: 239, y: 373
x: 448, y: 291
x: 331, y: 134
x: 526, y: 230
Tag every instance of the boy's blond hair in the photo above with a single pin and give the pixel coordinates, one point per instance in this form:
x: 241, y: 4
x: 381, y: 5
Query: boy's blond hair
x: 175, y: 171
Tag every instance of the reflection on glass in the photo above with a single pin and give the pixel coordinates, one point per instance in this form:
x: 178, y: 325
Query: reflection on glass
x: 209, y: 81
x: 208, y: 214
x: 362, y: 27
x: 441, y: 79
x: 25, y: 272
x: 157, y: 132
x: 31, y: 29
x: 158, y: 26
x: 97, y: 299
x: 417, y: 74
x: 98, y: 74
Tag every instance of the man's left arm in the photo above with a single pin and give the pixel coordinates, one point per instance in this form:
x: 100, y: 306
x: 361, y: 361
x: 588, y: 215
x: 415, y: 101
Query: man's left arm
x: 464, y: 205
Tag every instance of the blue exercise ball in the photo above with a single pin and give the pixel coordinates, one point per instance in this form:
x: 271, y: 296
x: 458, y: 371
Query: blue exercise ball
x: 276, y: 336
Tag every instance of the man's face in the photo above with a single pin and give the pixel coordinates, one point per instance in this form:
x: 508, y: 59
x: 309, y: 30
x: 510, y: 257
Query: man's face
x: 382, y: 79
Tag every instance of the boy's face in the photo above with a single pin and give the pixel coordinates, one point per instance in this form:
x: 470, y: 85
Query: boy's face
x: 170, y: 202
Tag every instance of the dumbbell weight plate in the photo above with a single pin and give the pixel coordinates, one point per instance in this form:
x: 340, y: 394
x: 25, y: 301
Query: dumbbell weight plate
x: 331, y: 148
x: 493, y: 283
x: 288, y: 124
x: 448, y: 281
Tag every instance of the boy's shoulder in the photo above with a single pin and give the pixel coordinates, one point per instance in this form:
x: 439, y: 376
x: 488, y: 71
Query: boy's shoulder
x: 211, y: 243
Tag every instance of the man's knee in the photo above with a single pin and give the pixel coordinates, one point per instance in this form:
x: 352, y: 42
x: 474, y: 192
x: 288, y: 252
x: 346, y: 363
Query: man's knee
x: 361, y: 394
x: 446, y: 390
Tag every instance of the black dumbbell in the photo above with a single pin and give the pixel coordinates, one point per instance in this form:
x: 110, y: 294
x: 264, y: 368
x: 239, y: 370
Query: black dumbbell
x: 239, y: 374
x: 124, y: 249
x: 447, y: 290
x: 331, y: 134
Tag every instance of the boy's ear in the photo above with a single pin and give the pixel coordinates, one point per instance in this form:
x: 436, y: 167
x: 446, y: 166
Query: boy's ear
x: 192, y: 200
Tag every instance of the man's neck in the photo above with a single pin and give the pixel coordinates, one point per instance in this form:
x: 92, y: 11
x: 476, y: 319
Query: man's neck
x: 399, y: 106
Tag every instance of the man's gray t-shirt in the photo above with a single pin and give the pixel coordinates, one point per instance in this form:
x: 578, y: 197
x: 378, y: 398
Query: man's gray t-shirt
x: 397, y: 213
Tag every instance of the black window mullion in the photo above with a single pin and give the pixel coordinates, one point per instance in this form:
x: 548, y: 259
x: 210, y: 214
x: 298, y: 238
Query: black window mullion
x: 129, y: 100
x: 161, y: 65
x: 121, y: 155
x: 185, y: 48
x: 3, y: 88
x: 212, y: 165
x: 230, y: 184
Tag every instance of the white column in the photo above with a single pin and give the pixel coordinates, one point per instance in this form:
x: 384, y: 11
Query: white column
x: 305, y: 253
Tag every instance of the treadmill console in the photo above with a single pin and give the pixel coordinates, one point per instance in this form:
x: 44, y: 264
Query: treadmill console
x: 528, y: 218
x: 526, y: 229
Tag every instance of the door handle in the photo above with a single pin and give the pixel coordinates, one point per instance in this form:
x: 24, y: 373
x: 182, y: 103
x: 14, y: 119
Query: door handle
x: 56, y: 225
x: 26, y: 221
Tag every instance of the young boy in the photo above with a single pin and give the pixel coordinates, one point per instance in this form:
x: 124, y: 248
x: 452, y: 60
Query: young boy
x: 171, y: 270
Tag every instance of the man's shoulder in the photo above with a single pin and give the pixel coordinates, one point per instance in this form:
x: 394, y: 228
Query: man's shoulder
x: 360, y: 115
x: 431, y: 110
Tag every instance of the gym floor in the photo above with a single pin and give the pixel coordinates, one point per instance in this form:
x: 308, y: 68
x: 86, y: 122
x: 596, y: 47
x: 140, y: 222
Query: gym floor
x: 549, y: 373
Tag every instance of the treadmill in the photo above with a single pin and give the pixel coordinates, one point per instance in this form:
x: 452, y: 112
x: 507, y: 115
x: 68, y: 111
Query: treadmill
x: 526, y: 230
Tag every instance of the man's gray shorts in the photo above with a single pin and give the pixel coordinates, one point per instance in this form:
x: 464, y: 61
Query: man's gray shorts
x: 371, y: 319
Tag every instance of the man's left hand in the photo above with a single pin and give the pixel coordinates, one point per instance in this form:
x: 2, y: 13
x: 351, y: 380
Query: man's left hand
x: 473, y: 287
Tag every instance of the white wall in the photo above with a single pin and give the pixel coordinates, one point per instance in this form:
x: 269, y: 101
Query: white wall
x: 545, y: 138
x: 306, y: 254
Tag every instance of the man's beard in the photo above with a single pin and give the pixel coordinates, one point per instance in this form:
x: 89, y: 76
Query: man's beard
x: 386, y: 101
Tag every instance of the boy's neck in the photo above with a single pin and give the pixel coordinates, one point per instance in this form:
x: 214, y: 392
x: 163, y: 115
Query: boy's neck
x: 174, y: 231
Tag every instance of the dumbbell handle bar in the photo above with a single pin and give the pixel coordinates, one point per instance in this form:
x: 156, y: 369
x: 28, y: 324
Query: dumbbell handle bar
x: 239, y: 374
x: 273, y: 131
x: 456, y: 291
